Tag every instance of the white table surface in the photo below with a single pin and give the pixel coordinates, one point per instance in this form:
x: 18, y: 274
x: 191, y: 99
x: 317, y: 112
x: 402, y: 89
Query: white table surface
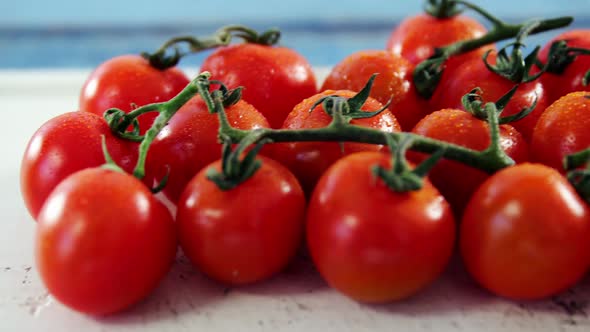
x: 296, y: 300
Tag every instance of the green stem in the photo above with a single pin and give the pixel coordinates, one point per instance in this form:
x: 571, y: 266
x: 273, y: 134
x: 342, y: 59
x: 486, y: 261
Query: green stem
x: 494, y: 151
x: 502, y: 32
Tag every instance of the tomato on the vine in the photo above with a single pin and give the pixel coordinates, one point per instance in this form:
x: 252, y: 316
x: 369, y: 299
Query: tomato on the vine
x: 309, y: 160
x: 189, y: 142
x: 474, y: 74
x: 457, y: 181
x: 394, y: 83
x: 562, y: 129
x: 371, y: 243
x: 129, y: 81
x: 245, y: 234
x: 103, y: 241
x: 525, y: 233
x: 415, y: 38
x: 558, y: 85
x: 63, y: 145
x: 274, y: 78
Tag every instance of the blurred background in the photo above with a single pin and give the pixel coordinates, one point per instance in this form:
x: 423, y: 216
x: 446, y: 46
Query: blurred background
x: 82, y: 34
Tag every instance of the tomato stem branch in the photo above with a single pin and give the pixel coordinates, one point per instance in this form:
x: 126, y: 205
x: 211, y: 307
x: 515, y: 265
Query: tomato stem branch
x: 487, y: 15
x: 428, y: 73
x: 341, y: 131
x: 162, y: 59
x: 119, y: 121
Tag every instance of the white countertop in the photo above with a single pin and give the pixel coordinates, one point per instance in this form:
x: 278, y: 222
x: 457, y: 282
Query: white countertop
x: 296, y: 300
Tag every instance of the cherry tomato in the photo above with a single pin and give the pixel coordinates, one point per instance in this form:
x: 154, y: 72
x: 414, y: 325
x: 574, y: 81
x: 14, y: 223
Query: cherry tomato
x: 456, y: 181
x: 371, y: 243
x: 103, y: 241
x: 415, y: 38
x: 275, y: 79
x: 63, y: 145
x: 558, y: 85
x: 309, y: 160
x: 128, y: 81
x: 525, y: 233
x: 562, y: 130
x: 472, y: 74
x: 189, y: 142
x: 393, y: 82
x: 245, y: 234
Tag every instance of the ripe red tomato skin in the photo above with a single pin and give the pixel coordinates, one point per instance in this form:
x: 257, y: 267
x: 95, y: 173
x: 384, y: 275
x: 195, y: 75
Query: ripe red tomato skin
x: 308, y: 160
x: 103, y: 241
x: 189, y: 142
x: 245, y: 234
x: 562, y: 130
x: 558, y: 85
x: 526, y: 243
x: 416, y: 37
x: 456, y: 181
x: 394, y: 81
x: 370, y: 243
x: 63, y: 145
x: 472, y: 74
x: 274, y: 78
x: 128, y: 80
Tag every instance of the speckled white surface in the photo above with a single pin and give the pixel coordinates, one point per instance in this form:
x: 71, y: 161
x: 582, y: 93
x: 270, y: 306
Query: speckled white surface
x: 296, y: 300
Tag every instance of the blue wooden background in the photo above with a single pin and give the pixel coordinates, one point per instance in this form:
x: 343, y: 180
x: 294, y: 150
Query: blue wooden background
x: 81, y: 34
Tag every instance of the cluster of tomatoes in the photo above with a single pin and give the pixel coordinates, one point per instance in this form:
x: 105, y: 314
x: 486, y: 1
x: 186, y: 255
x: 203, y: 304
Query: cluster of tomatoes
x: 104, y: 240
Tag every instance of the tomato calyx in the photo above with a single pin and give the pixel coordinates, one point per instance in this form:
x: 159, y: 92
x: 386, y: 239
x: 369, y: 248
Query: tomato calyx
x: 442, y: 9
x: 401, y: 177
x: 515, y: 67
x: 560, y: 56
x: 345, y: 110
x: 577, y: 166
x: 233, y: 169
x: 473, y: 103
x: 229, y: 97
x: 428, y: 73
x: 170, y: 53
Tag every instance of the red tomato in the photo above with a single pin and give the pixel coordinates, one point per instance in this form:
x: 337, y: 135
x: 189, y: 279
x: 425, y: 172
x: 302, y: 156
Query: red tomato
x: 459, y: 81
x: 128, y: 81
x: 274, y: 78
x: 570, y: 80
x: 415, y: 38
x: 245, y: 234
x: 309, y: 160
x: 394, y: 81
x: 456, y: 181
x: 189, y: 142
x: 525, y: 233
x: 371, y: 243
x: 103, y: 241
x: 562, y: 130
x: 64, y: 145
